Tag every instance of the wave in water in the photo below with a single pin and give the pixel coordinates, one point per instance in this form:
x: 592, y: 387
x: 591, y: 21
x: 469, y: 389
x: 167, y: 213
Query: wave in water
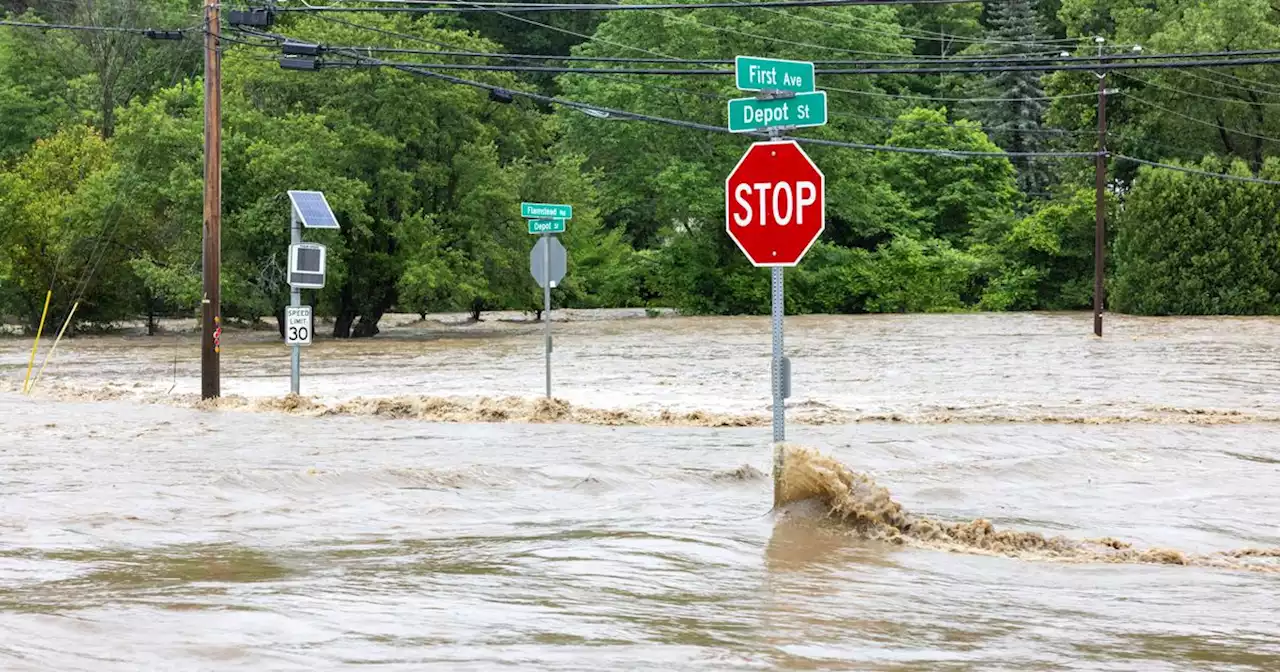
x: 866, y: 509
x: 541, y: 410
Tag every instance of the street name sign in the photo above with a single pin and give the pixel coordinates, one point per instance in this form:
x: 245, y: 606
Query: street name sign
x: 775, y: 203
x: 546, y: 211
x: 546, y: 226
x: 753, y: 114
x: 297, y: 325
x: 772, y: 74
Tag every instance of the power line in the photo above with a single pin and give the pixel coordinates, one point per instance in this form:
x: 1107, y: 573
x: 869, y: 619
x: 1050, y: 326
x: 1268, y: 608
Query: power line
x: 1102, y: 59
x: 587, y: 107
x: 1229, y: 85
x: 1198, y: 120
x: 1053, y: 67
x: 1193, y: 94
x: 711, y: 128
x: 522, y: 19
x: 922, y: 36
x: 713, y: 72
x: 975, y: 61
x: 775, y: 40
x: 855, y: 92
x: 175, y: 34
x: 448, y: 6
x: 1196, y: 171
x: 375, y: 29
x: 600, y: 40
x: 1275, y: 88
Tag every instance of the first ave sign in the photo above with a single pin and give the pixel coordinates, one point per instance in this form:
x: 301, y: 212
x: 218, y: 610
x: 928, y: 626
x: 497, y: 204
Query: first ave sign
x: 774, y: 203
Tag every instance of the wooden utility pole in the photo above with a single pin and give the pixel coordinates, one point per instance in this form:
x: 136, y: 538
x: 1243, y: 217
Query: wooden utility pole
x: 211, y: 303
x: 1100, y: 197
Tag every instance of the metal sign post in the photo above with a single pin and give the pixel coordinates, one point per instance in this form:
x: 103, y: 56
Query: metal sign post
x: 306, y: 271
x: 546, y: 303
x: 295, y: 300
x: 781, y: 372
x: 547, y: 261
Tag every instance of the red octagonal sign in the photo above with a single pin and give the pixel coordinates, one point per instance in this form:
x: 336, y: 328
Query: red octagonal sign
x: 774, y: 203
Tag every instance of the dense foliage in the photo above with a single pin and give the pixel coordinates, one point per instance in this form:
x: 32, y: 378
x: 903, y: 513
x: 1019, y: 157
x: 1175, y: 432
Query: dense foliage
x: 101, y: 163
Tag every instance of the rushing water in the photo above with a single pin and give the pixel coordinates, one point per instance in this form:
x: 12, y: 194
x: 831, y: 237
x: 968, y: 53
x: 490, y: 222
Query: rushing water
x: 143, y: 535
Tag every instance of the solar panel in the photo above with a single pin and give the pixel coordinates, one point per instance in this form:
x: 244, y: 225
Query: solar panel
x: 313, y: 210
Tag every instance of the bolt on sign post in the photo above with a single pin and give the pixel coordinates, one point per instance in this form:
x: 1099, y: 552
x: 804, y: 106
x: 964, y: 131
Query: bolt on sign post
x: 548, y: 260
x: 775, y: 198
x: 309, y: 209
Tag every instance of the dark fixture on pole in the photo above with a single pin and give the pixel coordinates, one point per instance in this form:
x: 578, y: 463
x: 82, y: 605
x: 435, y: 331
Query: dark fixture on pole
x: 300, y: 49
x: 253, y: 18
x: 299, y: 63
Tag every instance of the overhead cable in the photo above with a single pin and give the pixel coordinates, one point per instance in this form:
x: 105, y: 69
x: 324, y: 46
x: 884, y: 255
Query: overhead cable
x: 1193, y: 94
x: 172, y: 34
x: 974, y: 61
x: 1196, y: 171
x: 450, y: 6
x: 716, y: 72
x: 587, y: 107
x: 1211, y: 124
x: 920, y: 35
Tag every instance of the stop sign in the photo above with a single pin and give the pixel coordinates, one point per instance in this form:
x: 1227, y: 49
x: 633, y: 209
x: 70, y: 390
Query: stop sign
x: 774, y: 203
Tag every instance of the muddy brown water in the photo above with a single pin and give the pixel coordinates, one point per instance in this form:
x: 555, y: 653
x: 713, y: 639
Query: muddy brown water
x: 424, y: 510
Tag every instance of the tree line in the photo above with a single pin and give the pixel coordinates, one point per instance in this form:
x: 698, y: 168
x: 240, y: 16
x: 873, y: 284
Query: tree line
x: 101, y: 164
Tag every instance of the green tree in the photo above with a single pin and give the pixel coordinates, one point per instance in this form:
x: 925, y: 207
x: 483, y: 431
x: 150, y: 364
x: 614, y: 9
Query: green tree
x: 1016, y: 120
x: 958, y: 200
x: 1045, y: 261
x: 61, y: 228
x: 909, y: 275
x: 32, y: 91
x: 1191, y: 245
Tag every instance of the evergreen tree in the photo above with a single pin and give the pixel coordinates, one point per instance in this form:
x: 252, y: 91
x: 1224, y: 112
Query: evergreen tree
x: 1017, y: 118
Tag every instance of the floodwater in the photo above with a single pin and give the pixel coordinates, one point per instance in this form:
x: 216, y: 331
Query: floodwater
x: 424, y: 510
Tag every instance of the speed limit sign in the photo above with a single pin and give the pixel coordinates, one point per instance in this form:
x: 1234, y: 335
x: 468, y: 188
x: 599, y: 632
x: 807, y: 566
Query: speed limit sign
x: 297, y: 325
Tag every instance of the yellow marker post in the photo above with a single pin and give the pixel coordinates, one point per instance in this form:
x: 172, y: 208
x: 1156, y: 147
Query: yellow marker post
x: 53, y: 349
x: 31, y: 362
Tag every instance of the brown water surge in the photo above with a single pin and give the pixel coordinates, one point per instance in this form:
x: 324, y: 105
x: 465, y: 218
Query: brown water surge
x: 1045, y: 368
x: 542, y: 410
x: 133, y: 533
x: 867, y: 509
x: 515, y: 533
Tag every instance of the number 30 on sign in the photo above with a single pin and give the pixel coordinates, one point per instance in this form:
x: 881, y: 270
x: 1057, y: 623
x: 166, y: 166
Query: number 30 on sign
x: 297, y: 325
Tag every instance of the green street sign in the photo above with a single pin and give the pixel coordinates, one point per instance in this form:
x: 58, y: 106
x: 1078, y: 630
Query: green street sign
x: 772, y: 74
x: 804, y: 109
x: 546, y: 211
x: 546, y: 226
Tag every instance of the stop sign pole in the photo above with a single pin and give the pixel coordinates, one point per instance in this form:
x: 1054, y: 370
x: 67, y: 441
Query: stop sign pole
x: 780, y: 367
x: 775, y: 196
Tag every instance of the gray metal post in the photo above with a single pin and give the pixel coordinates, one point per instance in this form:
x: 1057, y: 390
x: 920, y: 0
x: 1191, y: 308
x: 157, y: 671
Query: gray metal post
x: 295, y: 300
x: 779, y: 374
x: 779, y: 407
x: 546, y: 301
